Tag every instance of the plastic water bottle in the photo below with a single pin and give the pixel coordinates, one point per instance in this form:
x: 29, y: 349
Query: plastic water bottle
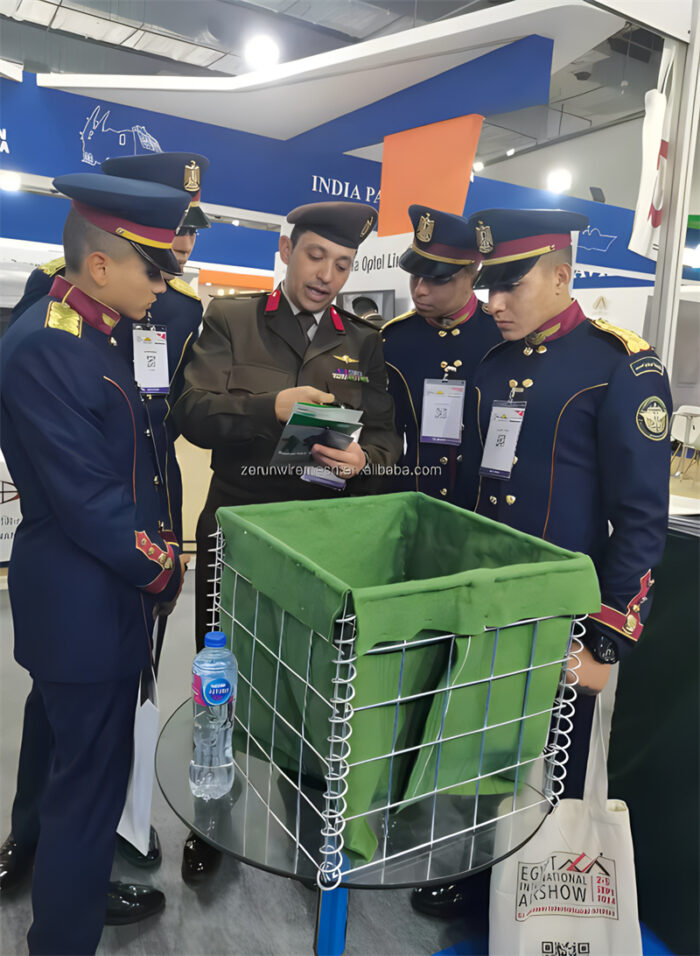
x: 214, y: 684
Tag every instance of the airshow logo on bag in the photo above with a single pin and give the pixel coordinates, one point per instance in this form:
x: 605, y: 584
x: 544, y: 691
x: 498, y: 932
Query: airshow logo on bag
x: 567, y: 884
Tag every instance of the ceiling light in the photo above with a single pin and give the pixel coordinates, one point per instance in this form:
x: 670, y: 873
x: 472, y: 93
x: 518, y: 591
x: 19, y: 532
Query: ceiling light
x: 510, y: 152
x: 235, y: 222
x: 478, y: 166
x: 219, y: 291
x: 559, y: 181
x: 261, y: 51
x: 10, y: 182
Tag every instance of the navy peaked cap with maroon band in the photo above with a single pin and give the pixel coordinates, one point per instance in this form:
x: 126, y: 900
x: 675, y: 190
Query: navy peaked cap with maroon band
x: 146, y: 214
x: 347, y: 223
x: 442, y: 244
x: 512, y: 240
x: 178, y: 170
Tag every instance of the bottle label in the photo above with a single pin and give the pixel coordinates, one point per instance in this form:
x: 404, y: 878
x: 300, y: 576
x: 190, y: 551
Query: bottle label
x: 214, y: 691
x: 197, y: 690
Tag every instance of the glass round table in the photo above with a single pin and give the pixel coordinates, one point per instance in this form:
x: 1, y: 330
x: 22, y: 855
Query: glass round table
x: 273, y: 822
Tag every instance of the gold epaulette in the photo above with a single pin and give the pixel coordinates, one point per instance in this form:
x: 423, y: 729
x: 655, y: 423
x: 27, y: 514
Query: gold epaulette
x: 51, y: 268
x: 183, y: 287
x: 398, y: 318
x: 632, y: 342
x: 61, y: 316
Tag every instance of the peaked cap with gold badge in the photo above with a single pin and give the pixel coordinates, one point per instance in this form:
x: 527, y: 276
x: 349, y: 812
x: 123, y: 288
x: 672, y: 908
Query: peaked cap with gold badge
x: 442, y: 244
x: 512, y: 240
x: 145, y: 214
x: 178, y: 170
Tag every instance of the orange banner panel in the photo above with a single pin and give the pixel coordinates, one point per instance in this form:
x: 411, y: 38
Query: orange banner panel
x: 430, y: 165
x: 239, y: 280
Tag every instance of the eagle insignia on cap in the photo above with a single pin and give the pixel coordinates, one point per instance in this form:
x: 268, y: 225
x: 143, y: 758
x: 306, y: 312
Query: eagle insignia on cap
x: 367, y: 226
x: 192, y: 181
x: 484, y: 239
x: 426, y: 225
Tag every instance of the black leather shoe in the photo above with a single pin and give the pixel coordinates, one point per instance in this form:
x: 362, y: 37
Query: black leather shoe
x: 444, y: 902
x: 130, y: 903
x: 199, y: 860
x: 146, y: 861
x: 15, y: 865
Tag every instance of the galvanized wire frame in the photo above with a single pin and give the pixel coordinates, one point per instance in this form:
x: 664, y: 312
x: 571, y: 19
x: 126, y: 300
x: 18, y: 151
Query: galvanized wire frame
x: 322, y: 848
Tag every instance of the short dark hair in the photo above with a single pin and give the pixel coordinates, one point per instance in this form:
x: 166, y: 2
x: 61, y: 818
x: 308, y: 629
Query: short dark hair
x: 559, y: 257
x: 80, y: 238
x: 296, y: 234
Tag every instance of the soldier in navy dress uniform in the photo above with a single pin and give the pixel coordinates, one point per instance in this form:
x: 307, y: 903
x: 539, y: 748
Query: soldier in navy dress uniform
x: 593, y: 451
x: 94, y: 556
x: 178, y: 310
x: 443, y: 337
x: 259, y: 355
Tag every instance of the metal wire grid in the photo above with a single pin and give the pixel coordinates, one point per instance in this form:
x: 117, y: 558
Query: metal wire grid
x: 328, y: 860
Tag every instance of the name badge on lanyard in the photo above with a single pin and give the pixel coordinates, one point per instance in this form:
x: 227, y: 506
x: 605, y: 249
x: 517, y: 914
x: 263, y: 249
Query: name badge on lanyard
x: 502, y: 438
x: 151, y: 359
x: 443, y: 409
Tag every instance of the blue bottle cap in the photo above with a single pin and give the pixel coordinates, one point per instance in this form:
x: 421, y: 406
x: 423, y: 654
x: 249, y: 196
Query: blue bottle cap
x: 215, y: 639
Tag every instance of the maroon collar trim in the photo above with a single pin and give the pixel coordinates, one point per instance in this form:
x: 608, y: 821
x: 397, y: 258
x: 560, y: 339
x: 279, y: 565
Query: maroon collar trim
x: 95, y: 313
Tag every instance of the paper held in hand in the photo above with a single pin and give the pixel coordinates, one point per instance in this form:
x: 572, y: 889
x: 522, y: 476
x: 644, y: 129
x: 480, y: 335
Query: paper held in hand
x: 311, y: 425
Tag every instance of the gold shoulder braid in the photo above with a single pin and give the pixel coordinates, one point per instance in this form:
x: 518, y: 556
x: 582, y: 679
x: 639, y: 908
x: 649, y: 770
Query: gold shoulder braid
x: 398, y: 318
x: 632, y: 342
x: 51, y: 268
x: 61, y: 316
x: 183, y: 287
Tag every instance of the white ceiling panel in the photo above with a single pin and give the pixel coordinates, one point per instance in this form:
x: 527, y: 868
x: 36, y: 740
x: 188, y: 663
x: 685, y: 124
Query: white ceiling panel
x: 295, y: 97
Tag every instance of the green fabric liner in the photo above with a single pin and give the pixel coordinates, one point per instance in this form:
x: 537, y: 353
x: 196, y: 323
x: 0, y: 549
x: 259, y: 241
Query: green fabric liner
x: 410, y: 566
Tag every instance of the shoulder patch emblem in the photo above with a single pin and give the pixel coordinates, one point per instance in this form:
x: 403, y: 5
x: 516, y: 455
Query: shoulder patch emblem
x: 647, y: 363
x: 632, y: 342
x: 184, y: 288
x: 652, y: 418
x: 51, y: 268
x: 61, y: 316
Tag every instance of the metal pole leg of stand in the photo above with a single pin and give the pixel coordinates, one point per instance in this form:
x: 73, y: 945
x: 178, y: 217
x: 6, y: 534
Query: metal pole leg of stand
x: 331, y: 922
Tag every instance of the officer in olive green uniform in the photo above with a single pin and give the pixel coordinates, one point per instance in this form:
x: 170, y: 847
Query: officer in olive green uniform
x: 259, y: 355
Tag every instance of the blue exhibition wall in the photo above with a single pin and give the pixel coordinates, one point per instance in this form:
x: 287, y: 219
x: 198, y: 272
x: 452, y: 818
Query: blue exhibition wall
x: 49, y: 132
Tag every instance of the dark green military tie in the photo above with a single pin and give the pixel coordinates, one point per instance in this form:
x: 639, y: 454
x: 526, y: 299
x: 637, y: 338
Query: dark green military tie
x: 307, y: 322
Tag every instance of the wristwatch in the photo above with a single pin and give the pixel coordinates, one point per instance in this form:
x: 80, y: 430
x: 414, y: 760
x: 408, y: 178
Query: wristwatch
x: 603, y: 649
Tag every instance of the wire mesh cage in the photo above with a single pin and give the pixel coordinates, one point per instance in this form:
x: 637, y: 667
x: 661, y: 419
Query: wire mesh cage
x: 402, y: 690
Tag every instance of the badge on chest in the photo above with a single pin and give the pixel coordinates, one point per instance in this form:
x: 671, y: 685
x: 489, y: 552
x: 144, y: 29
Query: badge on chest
x: 151, y: 359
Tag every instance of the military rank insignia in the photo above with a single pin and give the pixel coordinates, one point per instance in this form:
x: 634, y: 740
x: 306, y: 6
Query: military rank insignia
x: 61, y: 316
x: 652, y: 418
x: 484, y: 238
x: 426, y: 225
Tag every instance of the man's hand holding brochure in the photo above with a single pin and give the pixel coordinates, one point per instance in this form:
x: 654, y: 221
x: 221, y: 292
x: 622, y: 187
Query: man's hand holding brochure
x: 317, y: 433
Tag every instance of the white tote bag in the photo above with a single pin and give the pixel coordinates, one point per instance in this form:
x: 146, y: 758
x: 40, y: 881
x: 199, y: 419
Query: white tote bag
x: 135, y: 824
x: 571, y: 889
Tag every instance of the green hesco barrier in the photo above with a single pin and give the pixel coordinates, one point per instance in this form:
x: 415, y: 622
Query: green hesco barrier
x: 409, y: 567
